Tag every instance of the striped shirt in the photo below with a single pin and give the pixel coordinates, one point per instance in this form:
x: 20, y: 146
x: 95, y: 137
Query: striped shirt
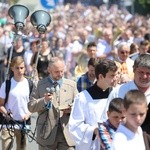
x: 106, y: 131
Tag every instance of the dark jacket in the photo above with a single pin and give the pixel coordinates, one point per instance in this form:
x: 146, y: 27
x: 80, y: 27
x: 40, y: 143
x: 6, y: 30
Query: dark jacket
x: 146, y: 140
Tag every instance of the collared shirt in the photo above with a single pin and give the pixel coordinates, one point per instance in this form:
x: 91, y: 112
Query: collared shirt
x: 83, y: 82
x: 125, y: 139
x: 106, y: 131
x: 53, y: 82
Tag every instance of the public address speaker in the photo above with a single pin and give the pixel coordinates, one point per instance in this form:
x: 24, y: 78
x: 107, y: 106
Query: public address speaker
x: 19, y: 13
x: 40, y: 19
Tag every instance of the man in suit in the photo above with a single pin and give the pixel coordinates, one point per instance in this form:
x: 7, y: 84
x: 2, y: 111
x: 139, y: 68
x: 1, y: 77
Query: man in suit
x: 52, y: 100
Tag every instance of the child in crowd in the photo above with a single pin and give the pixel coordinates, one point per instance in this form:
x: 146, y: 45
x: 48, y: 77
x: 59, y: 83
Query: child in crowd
x: 129, y: 135
x: 108, y: 128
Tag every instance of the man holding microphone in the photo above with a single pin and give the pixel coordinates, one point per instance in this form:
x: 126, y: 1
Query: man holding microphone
x: 52, y: 99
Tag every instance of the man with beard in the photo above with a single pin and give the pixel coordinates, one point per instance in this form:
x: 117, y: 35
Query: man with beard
x: 52, y: 100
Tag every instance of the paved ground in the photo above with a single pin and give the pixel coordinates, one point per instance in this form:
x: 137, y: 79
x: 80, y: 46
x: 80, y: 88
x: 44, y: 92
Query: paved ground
x: 33, y: 145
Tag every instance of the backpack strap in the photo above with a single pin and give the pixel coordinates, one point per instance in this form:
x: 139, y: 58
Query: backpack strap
x: 30, y: 82
x: 7, y: 89
x: 8, y: 85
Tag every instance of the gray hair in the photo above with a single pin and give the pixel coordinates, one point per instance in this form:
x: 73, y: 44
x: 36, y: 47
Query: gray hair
x: 120, y: 45
x: 54, y: 60
x: 142, y: 61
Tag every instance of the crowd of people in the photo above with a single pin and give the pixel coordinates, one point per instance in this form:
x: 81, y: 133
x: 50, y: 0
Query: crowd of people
x: 90, y: 74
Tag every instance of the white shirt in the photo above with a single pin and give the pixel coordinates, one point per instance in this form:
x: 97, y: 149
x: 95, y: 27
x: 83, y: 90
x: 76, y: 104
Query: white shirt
x: 27, y: 56
x: 17, y: 99
x: 125, y: 139
x: 84, y: 118
x: 122, y: 89
x: 103, y: 48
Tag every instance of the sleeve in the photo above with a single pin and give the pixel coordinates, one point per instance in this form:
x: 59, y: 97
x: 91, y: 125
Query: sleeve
x: 110, y: 97
x: 36, y: 103
x: 113, y: 94
x: 79, y: 85
x: 80, y: 129
x: 105, y: 137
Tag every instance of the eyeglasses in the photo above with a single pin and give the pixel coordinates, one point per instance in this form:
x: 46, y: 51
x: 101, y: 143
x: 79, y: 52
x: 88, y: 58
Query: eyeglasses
x: 124, y: 52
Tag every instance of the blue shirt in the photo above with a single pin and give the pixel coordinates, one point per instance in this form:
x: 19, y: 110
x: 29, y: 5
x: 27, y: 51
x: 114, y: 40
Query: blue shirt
x: 83, y: 82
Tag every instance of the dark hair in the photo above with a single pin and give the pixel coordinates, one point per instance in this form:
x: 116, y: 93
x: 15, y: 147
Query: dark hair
x: 91, y: 44
x: 92, y: 62
x: 105, y: 65
x: 147, y: 36
x: 32, y: 41
x: 145, y: 42
x: 142, y: 61
x: 134, y: 97
x: 116, y: 104
x: 133, y: 48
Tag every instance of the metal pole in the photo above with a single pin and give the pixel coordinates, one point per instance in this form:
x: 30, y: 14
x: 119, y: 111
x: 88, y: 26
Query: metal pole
x: 39, y: 49
x: 132, y: 8
x: 10, y: 55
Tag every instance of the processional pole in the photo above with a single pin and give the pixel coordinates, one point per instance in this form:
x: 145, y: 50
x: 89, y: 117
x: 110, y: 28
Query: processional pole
x: 40, y: 19
x: 19, y: 13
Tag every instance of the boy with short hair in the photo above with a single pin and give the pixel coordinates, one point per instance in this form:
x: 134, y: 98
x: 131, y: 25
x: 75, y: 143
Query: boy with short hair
x: 108, y: 128
x: 130, y: 133
x: 16, y: 106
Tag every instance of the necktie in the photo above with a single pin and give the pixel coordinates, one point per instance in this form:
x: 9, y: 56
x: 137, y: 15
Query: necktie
x: 55, y: 84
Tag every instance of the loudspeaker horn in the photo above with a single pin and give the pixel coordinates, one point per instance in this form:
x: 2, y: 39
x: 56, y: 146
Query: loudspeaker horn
x: 40, y: 19
x: 19, y: 13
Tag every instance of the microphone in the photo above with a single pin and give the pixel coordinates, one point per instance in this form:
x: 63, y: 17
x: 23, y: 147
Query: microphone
x: 50, y: 90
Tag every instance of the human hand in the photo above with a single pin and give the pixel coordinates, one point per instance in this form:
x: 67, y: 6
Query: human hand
x: 48, y: 97
x: 67, y: 111
x: 8, y: 115
x: 26, y: 116
x: 96, y: 132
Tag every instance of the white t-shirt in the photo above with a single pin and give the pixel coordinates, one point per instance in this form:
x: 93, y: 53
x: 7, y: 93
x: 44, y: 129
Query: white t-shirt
x: 125, y: 139
x: 17, y: 99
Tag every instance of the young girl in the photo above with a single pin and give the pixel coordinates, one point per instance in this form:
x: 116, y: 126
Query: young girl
x: 129, y: 136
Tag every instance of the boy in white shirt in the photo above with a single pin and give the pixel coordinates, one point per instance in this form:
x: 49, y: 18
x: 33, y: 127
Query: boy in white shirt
x: 130, y: 133
x: 16, y: 105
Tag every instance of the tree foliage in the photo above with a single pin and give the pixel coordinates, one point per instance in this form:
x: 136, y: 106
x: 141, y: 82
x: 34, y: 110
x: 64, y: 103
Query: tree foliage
x: 142, y: 7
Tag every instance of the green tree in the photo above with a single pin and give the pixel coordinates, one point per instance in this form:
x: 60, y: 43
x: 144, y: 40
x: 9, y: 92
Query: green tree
x: 142, y: 7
